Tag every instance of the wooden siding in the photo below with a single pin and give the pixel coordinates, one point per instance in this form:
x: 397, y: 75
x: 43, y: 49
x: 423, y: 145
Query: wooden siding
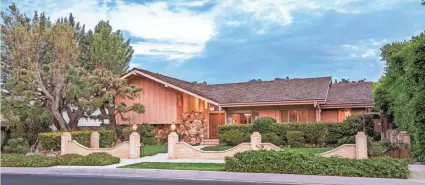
x: 270, y: 113
x: 329, y: 115
x: 160, y: 103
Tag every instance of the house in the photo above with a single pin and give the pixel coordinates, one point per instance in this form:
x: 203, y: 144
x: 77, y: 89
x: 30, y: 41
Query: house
x: 294, y: 100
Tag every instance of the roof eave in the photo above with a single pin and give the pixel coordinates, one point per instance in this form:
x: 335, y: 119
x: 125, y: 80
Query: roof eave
x: 347, y: 105
x: 256, y: 104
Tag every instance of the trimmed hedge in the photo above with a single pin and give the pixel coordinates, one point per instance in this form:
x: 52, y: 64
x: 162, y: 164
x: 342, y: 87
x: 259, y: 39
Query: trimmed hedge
x: 317, y: 133
x: 93, y: 159
x: 52, y: 140
x: 295, y: 138
x: 289, y: 162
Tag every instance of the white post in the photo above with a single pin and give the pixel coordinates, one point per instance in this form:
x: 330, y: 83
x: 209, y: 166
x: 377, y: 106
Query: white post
x: 134, y: 146
x: 255, y: 141
x: 94, y: 140
x: 65, y: 138
x: 172, y: 141
x: 361, y: 146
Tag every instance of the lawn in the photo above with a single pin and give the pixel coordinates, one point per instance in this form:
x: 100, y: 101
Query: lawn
x: 216, y: 148
x: 308, y: 150
x: 150, y: 150
x: 178, y: 166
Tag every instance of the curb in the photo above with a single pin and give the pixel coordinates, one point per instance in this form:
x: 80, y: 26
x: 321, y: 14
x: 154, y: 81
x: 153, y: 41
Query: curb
x: 208, y: 175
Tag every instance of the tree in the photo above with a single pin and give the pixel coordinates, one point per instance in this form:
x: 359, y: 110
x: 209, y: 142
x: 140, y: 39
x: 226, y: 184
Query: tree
x: 35, y: 59
x: 401, y: 90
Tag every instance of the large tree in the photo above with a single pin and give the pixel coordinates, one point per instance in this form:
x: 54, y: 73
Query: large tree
x: 64, y: 68
x: 36, y: 57
x: 401, y: 90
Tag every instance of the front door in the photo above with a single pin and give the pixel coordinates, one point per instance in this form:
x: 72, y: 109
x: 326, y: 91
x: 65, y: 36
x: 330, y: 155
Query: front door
x: 216, y: 119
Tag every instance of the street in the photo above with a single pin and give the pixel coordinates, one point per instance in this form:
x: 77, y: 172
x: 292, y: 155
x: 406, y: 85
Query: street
x: 78, y: 180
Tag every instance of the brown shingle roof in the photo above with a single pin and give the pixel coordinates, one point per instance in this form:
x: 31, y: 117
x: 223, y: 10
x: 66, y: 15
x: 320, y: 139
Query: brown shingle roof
x: 268, y: 91
x: 350, y: 93
x: 277, y: 90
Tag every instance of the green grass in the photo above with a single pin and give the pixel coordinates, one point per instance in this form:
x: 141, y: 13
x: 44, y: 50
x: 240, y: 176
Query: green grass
x: 216, y: 148
x: 150, y: 150
x: 308, y: 150
x: 178, y: 166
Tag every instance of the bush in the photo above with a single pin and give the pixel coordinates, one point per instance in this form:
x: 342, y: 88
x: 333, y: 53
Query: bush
x: 233, y: 137
x: 147, y: 134
x: 316, y: 133
x: 295, y: 138
x: 18, y: 145
x: 68, y: 159
x: 263, y: 124
x: 98, y: 159
x: 19, y: 160
x: 52, y: 140
x: 289, y: 162
x: 94, y: 159
x: 272, y: 138
x: 234, y: 134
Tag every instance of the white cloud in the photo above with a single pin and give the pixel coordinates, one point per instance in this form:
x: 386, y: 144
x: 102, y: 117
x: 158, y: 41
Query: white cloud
x: 369, y: 53
x: 364, y: 49
x: 135, y: 65
x: 175, y: 35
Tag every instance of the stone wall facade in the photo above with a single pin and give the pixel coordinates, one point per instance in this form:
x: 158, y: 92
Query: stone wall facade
x: 127, y: 149
x: 182, y: 150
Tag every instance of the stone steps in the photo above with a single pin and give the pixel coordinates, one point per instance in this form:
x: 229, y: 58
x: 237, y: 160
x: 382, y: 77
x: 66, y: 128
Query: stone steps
x: 210, y: 142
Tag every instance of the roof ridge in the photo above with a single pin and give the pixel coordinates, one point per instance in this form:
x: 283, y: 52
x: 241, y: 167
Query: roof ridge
x: 269, y: 81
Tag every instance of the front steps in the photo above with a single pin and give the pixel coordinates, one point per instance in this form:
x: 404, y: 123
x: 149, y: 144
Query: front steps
x: 210, y: 142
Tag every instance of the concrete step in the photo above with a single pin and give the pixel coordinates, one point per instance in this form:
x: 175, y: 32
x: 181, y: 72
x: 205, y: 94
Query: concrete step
x: 210, y: 142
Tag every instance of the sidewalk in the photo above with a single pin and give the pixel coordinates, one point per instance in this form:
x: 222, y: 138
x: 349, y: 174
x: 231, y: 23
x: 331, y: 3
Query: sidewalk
x: 207, y: 175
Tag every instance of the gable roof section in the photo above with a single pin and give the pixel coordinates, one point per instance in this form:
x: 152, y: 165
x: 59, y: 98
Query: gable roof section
x: 350, y: 93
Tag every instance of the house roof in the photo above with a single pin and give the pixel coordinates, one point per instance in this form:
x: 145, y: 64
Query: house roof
x: 298, y: 89
x: 350, y: 93
x: 268, y: 91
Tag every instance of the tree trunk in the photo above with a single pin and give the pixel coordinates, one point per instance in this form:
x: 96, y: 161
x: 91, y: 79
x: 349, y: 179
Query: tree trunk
x: 112, y: 121
x: 60, y: 120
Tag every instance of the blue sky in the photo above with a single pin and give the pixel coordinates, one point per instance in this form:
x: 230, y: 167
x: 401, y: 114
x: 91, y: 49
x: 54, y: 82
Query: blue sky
x: 221, y: 41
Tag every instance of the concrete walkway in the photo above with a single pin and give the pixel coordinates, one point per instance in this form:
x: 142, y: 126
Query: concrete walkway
x: 418, y: 172
x: 162, y: 157
x: 207, y: 175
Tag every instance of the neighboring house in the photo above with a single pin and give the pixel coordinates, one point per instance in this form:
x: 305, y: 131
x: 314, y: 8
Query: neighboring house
x: 294, y: 100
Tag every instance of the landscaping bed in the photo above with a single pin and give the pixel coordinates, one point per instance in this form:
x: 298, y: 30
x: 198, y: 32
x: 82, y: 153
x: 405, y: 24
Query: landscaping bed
x: 289, y: 162
x: 308, y: 150
x: 149, y: 150
x: 94, y: 159
x: 178, y: 166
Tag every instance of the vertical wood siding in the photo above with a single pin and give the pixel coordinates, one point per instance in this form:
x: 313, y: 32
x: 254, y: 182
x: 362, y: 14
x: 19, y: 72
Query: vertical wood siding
x: 160, y: 103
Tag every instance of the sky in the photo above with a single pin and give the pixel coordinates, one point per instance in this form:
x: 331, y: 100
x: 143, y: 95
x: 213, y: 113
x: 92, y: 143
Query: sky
x: 224, y: 41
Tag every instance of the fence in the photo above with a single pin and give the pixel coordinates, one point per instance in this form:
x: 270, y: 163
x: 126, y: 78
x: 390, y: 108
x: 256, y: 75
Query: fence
x: 127, y: 149
x: 182, y: 150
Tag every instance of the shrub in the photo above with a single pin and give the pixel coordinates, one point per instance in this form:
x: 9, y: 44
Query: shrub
x: 147, y: 134
x: 272, y: 138
x: 263, y: 124
x: 52, y: 140
x: 68, y: 159
x: 19, y: 160
x: 289, y: 162
x: 233, y: 137
x: 234, y: 134
x: 295, y: 138
x: 98, y: 159
x: 18, y: 145
x: 94, y: 159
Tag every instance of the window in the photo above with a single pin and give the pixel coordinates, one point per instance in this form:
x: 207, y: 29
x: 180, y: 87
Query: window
x: 296, y: 115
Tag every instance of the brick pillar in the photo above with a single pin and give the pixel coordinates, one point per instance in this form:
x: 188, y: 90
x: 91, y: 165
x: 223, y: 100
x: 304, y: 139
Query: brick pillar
x: 94, y: 140
x: 134, y: 148
x: 255, y: 141
x: 65, y: 138
x: 388, y: 134
x: 172, y: 142
x: 361, y: 146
